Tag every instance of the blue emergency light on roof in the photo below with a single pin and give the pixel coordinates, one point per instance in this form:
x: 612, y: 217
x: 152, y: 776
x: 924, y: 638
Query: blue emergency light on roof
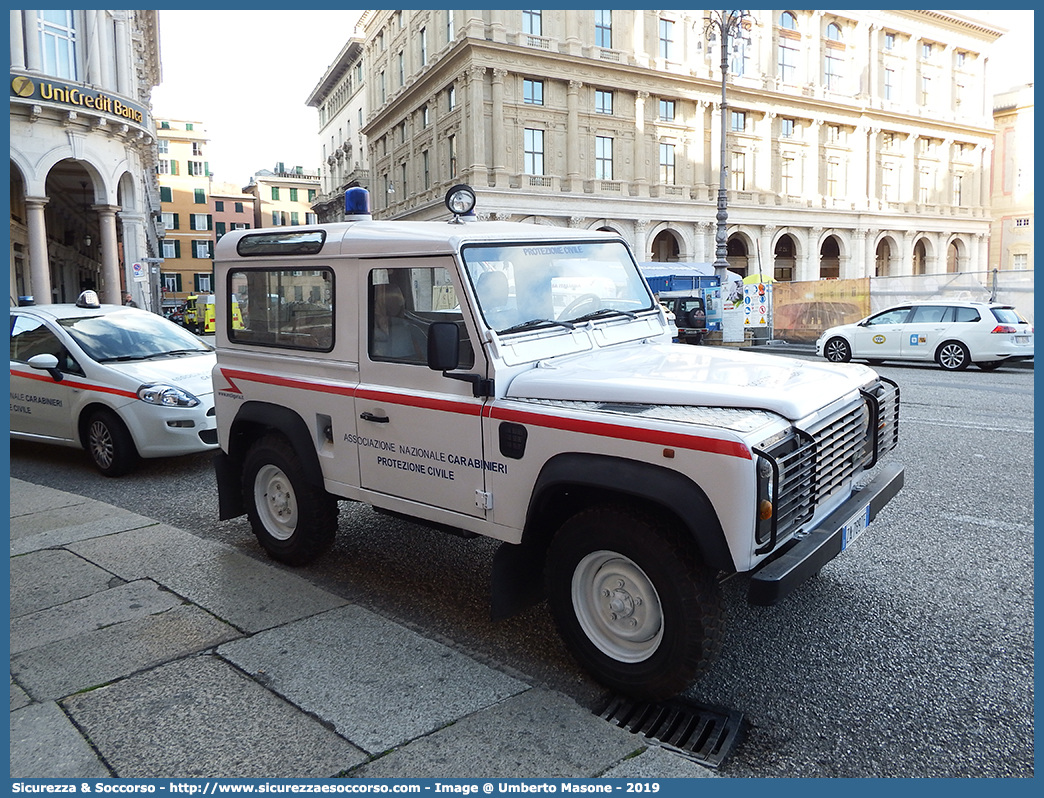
x: 356, y: 204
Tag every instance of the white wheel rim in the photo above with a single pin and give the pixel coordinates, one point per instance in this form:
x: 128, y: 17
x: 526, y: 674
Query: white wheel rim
x: 275, y: 501
x: 617, y: 606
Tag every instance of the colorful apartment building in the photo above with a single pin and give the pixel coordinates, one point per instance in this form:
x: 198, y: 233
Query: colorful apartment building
x: 284, y: 196
x: 231, y: 209
x: 188, y: 221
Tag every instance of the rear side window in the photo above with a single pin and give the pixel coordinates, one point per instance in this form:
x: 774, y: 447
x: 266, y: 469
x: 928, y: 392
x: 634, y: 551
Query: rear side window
x: 1008, y: 316
x: 966, y: 314
x: 931, y: 314
x: 282, y: 307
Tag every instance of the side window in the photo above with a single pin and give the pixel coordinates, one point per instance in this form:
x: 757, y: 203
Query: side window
x: 30, y: 337
x: 931, y: 314
x: 282, y: 307
x: 897, y: 316
x: 966, y: 314
x: 402, y: 304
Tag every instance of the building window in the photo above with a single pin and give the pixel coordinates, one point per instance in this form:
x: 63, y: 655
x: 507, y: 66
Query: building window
x: 425, y: 117
x: 603, y: 158
x: 425, y: 170
x: 834, y: 134
x: 788, y: 59
x: 219, y: 206
x: 739, y: 121
x: 834, y: 68
x: 169, y: 252
x: 834, y: 32
x: 740, y: 55
x: 201, y: 249
x: 451, y: 98
x: 889, y: 41
x: 787, y: 176
x: 531, y: 23
x: 957, y: 181
x: 200, y: 221
x: 532, y: 92
x: 402, y: 68
x: 603, y: 102
x: 926, y: 50
x: 1020, y: 262
x: 197, y: 149
x: 312, y: 193
x: 1022, y: 222
x: 424, y: 46
x: 203, y: 283
x: 452, y: 146
x: 666, y: 40
x: 197, y: 168
x: 58, y: 43
x: 163, y: 167
x: 219, y: 229
x: 239, y: 207
x: 667, y: 164
x: 888, y: 182
x: 449, y: 26
x: 786, y: 128
x: 926, y: 89
x: 190, y: 126
x: 275, y: 219
x: 666, y: 110
x: 294, y: 219
x: 293, y: 195
x: 889, y: 84
x: 887, y: 140
x: 162, y: 146
x: 833, y: 177
x: 787, y: 21
x: 737, y: 169
x: 166, y: 194
x: 170, y: 221
x: 275, y: 193
x: 201, y: 196
x: 604, y: 29
x: 311, y: 218
x: 533, y: 147
x: 922, y: 186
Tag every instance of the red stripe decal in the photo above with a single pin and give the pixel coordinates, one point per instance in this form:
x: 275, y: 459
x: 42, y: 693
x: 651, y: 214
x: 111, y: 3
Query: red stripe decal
x: 68, y: 382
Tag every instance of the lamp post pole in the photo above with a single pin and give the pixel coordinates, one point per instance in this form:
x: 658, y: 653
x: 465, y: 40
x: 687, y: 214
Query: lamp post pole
x: 726, y: 23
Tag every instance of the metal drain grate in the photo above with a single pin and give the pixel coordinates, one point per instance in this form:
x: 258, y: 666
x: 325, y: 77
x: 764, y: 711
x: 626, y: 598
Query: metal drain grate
x: 704, y: 734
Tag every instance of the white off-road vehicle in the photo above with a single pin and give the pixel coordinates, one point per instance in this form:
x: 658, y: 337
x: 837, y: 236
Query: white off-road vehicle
x: 519, y: 382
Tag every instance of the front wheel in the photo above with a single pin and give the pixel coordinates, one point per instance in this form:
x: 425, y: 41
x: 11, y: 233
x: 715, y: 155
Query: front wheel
x: 632, y: 601
x: 837, y: 350
x: 953, y: 356
x: 293, y: 520
x: 110, y: 444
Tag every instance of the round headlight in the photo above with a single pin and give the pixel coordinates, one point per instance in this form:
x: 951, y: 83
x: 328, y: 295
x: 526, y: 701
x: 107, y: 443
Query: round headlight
x: 460, y: 200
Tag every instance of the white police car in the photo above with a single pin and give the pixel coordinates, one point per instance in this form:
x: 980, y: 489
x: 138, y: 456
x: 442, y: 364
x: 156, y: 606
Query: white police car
x: 119, y: 382
x: 953, y: 333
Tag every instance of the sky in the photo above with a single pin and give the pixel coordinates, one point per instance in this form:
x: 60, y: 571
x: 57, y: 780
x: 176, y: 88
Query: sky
x: 246, y: 78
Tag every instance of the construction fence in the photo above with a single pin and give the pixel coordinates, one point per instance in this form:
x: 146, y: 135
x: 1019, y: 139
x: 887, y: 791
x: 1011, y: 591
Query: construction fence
x: 798, y: 312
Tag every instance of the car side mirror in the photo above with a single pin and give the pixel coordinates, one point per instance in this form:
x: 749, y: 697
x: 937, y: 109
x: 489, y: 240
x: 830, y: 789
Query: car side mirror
x: 443, y: 346
x: 48, y: 363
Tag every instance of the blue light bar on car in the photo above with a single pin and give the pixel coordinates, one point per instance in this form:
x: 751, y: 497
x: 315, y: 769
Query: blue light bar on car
x: 356, y: 204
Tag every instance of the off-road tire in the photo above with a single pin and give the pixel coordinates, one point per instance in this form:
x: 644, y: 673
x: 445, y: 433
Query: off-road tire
x: 669, y: 623
x: 109, y: 443
x: 293, y: 520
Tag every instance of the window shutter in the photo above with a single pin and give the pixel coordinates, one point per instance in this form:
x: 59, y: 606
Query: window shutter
x: 206, y: 168
x: 176, y: 221
x: 174, y: 168
x: 177, y: 254
x: 165, y: 194
x: 192, y: 246
x: 210, y: 222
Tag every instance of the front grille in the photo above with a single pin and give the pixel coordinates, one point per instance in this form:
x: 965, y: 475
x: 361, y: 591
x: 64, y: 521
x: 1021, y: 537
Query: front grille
x: 813, y: 464
x: 208, y: 436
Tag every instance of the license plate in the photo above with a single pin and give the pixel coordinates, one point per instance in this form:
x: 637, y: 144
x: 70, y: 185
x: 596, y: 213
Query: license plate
x: 854, y: 527
x: 1022, y: 339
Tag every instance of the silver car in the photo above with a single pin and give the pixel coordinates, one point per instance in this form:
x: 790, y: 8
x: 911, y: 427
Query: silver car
x: 954, y: 334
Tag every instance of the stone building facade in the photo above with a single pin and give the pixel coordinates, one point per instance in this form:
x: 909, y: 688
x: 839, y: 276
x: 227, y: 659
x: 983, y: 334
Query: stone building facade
x: 84, y: 197
x: 858, y: 143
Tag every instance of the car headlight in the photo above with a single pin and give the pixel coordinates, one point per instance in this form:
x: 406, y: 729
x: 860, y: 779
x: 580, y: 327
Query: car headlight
x: 167, y: 396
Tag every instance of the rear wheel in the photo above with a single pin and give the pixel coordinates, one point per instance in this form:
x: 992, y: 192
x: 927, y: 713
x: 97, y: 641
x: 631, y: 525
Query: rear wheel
x: 953, y: 356
x: 294, y: 520
x: 632, y: 601
x: 990, y: 365
x: 110, y: 444
x: 837, y: 350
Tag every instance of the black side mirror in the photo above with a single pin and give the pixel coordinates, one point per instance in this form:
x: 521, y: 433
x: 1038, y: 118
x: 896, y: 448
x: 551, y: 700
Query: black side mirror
x: 443, y: 346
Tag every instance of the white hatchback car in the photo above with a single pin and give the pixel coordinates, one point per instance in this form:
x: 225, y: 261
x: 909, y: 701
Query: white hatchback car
x: 952, y: 333
x: 119, y: 382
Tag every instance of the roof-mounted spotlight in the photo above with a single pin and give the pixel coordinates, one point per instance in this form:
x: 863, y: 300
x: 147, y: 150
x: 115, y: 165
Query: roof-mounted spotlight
x: 356, y: 204
x: 461, y: 202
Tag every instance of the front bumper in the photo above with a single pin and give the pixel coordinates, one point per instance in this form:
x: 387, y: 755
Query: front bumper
x: 781, y: 575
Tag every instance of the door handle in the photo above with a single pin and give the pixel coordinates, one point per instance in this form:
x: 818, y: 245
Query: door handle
x: 373, y: 418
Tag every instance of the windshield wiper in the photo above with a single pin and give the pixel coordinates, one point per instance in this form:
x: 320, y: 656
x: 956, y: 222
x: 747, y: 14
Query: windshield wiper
x: 177, y: 352
x: 606, y: 312
x: 526, y: 325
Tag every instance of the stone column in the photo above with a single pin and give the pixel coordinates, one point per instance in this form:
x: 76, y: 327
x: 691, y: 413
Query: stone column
x: 873, y: 187
x: 697, y: 150
x: 908, y: 180
x: 810, y: 187
x: 873, y: 60
x: 573, y: 44
x: 766, y: 264
x: 905, y: 265
x: 93, y: 49
x: 39, y: 265
x: 17, y: 41
x: 108, y: 77
x: 497, y: 128
x: 763, y: 156
x: 33, y: 56
x: 640, y: 245
x: 574, y: 181
x: 981, y: 254
x: 870, y: 254
x: 809, y: 265
x: 984, y: 174
x: 638, y: 39
x: 641, y: 150
x: 859, y: 168
x: 704, y: 242
x: 476, y: 117
x: 124, y: 70
x: 855, y: 266
x: 110, y: 260
x: 814, y: 65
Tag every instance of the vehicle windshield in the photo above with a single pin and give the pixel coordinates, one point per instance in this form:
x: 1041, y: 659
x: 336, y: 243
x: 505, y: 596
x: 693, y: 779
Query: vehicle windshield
x: 131, y: 335
x: 528, y: 286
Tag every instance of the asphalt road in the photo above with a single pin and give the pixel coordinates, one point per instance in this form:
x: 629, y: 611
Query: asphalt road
x: 910, y: 655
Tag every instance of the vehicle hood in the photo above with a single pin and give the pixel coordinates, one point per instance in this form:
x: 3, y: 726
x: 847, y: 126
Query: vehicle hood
x: 677, y: 374
x: 188, y: 372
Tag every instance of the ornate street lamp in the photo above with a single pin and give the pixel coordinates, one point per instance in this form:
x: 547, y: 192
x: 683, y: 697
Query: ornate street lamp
x: 726, y: 24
